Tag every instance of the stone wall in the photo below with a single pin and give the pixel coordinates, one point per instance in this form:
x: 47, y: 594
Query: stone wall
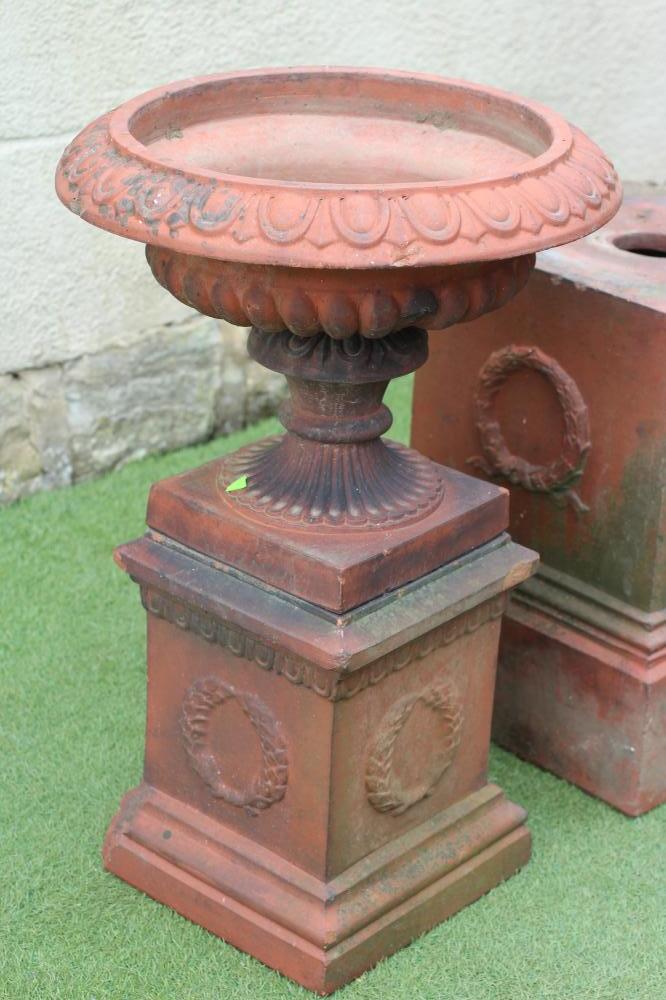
x: 174, y: 385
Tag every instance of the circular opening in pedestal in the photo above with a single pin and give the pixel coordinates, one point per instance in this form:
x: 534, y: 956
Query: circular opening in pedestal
x: 645, y: 244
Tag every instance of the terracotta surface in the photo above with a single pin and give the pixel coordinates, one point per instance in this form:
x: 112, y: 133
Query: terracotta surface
x: 322, y: 638
x: 564, y: 393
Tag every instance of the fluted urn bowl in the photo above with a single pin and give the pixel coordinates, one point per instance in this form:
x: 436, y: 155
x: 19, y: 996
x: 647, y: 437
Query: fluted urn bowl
x: 338, y: 169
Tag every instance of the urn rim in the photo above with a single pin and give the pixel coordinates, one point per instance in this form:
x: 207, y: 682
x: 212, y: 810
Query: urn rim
x: 526, y: 180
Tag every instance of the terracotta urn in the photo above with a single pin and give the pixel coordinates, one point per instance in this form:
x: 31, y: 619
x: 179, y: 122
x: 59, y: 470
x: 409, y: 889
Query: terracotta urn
x: 324, y: 606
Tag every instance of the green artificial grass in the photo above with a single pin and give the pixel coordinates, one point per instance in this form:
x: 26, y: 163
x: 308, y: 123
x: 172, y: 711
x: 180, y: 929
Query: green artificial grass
x: 585, y: 920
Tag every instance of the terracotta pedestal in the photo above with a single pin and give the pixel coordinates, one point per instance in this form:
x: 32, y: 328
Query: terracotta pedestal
x: 324, y: 606
x: 562, y: 397
x: 315, y: 785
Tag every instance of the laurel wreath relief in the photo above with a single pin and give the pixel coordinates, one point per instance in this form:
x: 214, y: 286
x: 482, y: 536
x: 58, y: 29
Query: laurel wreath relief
x: 271, y: 783
x: 385, y: 790
x: 558, y: 477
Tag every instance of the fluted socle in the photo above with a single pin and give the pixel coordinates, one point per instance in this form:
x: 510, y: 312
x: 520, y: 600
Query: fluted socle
x: 365, y: 485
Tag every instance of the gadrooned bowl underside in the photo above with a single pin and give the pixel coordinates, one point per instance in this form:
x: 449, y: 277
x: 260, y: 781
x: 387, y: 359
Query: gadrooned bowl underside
x: 340, y: 168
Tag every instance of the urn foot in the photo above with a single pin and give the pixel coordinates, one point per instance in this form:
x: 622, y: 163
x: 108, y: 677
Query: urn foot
x: 320, y: 933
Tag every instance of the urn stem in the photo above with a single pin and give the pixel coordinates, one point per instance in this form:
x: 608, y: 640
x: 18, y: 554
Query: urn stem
x: 332, y: 466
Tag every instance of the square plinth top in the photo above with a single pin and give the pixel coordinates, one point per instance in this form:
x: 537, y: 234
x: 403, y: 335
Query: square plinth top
x: 334, y: 568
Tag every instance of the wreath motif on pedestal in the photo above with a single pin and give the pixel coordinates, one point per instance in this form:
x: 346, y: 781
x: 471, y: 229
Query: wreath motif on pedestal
x: 385, y: 790
x: 271, y: 783
x: 556, y: 477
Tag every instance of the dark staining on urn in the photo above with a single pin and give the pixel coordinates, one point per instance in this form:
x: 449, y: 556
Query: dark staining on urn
x: 421, y: 303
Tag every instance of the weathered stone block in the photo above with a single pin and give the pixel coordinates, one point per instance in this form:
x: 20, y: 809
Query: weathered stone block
x: 174, y: 385
x: 33, y: 450
x: 155, y: 395
x: 19, y: 459
x: 48, y: 424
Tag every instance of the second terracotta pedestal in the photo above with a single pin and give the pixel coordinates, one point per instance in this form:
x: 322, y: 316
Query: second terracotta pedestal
x: 562, y: 397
